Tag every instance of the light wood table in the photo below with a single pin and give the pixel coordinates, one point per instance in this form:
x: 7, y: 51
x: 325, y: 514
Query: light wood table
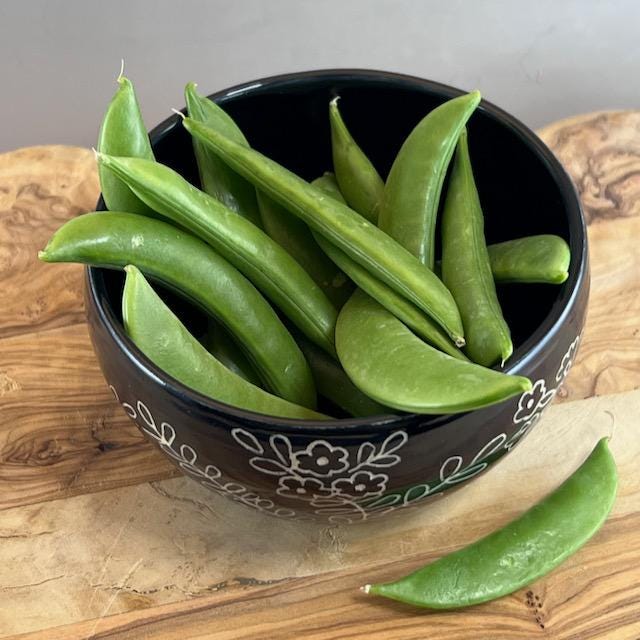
x: 100, y: 538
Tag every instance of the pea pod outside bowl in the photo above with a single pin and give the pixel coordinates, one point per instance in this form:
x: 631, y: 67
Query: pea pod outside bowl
x: 353, y: 469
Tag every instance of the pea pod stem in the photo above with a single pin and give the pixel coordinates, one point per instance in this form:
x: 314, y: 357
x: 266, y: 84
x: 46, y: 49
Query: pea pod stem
x: 521, y: 552
x: 342, y: 226
x: 195, y: 271
x: 158, y: 333
x: 246, y: 246
x: 412, y: 192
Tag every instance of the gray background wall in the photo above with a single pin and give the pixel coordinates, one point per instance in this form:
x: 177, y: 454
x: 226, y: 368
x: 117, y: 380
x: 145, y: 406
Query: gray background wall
x: 539, y: 59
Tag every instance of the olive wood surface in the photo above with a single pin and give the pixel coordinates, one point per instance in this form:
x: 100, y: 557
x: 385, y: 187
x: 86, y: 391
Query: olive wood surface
x: 97, y: 540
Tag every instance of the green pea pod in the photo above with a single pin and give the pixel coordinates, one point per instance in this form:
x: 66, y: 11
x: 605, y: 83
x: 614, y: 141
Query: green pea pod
x: 219, y: 343
x: 194, y: 270
x: 243, y: 244
x: 543, y: 258
x: 327, y: 182
x: 412, y: 192
x: 335, y: 385
x: 466, y: 269
x: 387, y: 362
x: 343, y: 227
x: 360, y: 183
x: 295, y: 237
x: 216, y: 178
x: 523, y: 551
x: 158, y: 333
x: 421, y: 324
x: 123, y: 134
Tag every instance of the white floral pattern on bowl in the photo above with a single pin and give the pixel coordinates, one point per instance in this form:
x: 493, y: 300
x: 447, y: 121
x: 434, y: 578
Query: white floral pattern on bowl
x: 341, y: 485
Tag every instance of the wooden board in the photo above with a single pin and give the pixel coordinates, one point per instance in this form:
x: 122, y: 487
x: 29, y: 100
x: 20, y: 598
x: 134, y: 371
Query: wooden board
x: 154, y: 557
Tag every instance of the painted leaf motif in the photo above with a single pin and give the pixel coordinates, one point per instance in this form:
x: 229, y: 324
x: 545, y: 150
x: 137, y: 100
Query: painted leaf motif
x: 384, y: 501
x: 465, y: 474
x: 365, y: 452
x: 494, y: 445
x: 450, y: 467
x: 282, y: 448
x: 384, y: 461
x: 247, y: 440
x: 416, y: 493
x: 270, y: 467
x: 394, y: 442
x: 145, y: 414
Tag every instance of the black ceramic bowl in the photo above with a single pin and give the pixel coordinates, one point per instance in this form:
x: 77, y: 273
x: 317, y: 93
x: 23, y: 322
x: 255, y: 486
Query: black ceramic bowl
x: 354, y: 469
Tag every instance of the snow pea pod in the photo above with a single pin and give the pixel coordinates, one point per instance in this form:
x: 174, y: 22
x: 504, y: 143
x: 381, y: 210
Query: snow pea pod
x: 194, y: 270
x: 295, y: 237
x: 387, y: 362
x: 360, y: 183
x: 466, y: 270
x: 421, y: 324
x: 334, y: 384
x: 244, y: 245
x: 412, y: 192
x: 362, y: 241
x: 521, y: 552
x: 219, y: 343
x: 158, y: 333
x: 216, y: 178
x: 123, y: 134
x: 542, y: 258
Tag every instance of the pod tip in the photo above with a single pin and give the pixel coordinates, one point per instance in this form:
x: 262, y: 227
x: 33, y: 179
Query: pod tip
x: 334, y: 102
x: 179, y: 113
x: 121, y: 74
x: 42, y: 255
x: 459, y: 341
x: 366, y: 588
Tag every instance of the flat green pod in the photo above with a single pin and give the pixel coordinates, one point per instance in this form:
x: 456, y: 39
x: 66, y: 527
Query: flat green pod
x: 387, y: 362
x: 521, y: 552
x: 160, y: 335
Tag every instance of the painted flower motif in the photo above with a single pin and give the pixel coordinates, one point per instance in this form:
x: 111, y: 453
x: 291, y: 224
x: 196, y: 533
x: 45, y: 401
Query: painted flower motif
x: 321, y: 459
x: 532, y: 401
x: 302, y: 488
x: 361, y: 484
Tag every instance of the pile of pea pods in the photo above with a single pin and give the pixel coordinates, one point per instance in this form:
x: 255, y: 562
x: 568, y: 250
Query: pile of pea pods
x: 326, y: 288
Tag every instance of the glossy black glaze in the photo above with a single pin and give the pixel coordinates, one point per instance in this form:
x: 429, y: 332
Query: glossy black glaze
x: 352, y: 469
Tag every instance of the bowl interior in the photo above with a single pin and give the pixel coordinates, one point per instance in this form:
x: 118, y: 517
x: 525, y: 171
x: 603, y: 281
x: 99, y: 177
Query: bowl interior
x: 286, y: 118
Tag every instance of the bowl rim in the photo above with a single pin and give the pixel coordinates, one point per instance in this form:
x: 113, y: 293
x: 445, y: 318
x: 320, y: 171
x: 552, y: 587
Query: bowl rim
x: 526, y: 353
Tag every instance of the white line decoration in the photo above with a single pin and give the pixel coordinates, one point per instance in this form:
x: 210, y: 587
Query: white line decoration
x: 340, y: 485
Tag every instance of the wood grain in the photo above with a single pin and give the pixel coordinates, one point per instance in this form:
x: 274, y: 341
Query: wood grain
x: 129, y: 550
x: 601, y: 152
x: 40, y: 188
x: 61, y: 433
